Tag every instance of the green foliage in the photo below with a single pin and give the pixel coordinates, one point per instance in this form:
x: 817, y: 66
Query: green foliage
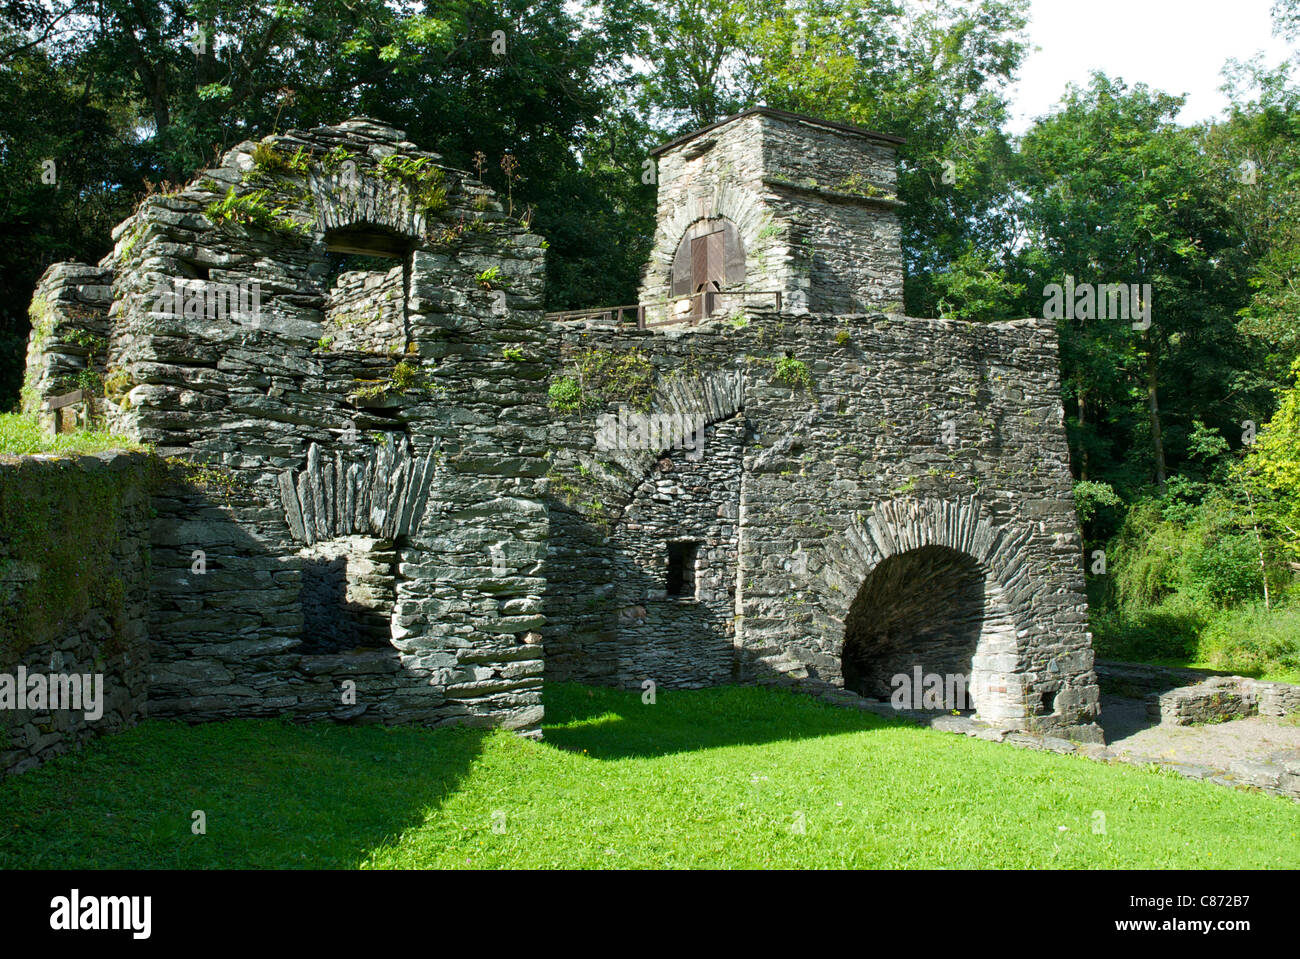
x: 858, y: 185
x: 333, y: 161
x: 254, y: 209
x: 407, y: 377
x: 596, y: 377
x: 118, y: 383
x: 792, y: 373
x: 21, y: 435
x: 132, y: 238
x: 489, y: 276
x: 60, y: 529
x: 974, y: 287
x: 1271, y: 469
x: 1206, y: 553
x: 565, y: 394
x: 1253, y: 641
x: 1090, y: 496
x: 419, y: 175
x: 214, y: 480
x: 42, y: 320
x: 513, y: 354
x: 270, y: 161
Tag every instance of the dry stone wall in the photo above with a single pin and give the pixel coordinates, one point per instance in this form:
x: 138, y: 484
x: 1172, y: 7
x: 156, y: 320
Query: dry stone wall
x: 813, y: 204
x: 318, y: 461
x: 74, y: 602
x: 67, y: 348
x: 865, y: 437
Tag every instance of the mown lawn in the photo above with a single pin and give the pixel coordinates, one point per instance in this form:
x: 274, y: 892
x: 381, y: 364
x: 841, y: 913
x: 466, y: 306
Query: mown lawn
x: 719, y: 778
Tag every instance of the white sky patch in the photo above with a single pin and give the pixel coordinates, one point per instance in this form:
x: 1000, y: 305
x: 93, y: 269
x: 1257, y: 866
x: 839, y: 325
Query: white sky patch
x: 1177, y: 46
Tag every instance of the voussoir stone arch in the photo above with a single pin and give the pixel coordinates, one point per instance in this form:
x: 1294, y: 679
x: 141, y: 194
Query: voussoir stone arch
x: 901, y: 527
x: 730, y: 201
x: 716, y: 395
x: 356, y: 199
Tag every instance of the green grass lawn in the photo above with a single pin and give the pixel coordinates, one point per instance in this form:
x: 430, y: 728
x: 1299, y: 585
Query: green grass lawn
x: 716, y: 778
x: 21, y: 435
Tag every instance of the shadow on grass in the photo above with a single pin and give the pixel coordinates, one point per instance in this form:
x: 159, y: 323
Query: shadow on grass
x: 273, y: 795
x: 615, y: 724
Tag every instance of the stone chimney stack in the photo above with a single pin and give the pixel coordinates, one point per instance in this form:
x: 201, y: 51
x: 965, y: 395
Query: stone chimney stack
x: 767, y: 201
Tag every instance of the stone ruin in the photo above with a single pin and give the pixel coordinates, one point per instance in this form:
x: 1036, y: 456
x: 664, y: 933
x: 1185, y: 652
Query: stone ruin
x: 392, y: 475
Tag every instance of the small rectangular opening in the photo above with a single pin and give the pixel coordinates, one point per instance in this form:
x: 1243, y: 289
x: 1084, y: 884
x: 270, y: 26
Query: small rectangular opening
x: 681, y: 568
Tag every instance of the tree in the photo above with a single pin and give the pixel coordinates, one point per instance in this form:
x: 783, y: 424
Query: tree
x: 1118, y: 193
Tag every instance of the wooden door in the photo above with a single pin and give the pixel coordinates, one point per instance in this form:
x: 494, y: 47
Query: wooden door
x: 708, y: 271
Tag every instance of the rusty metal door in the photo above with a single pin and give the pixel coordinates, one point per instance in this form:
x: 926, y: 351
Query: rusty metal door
x: 708, y: 271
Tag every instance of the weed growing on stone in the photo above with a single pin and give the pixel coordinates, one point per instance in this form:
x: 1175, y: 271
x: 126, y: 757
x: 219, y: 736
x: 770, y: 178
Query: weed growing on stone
x: 253, y: 209
x: 792, y: 373
x: 420, y: 176
x: 271, y: 161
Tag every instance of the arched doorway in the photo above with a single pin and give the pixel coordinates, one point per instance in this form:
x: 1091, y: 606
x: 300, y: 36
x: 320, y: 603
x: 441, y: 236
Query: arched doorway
x: 709, y: 259
x: 925, y: 613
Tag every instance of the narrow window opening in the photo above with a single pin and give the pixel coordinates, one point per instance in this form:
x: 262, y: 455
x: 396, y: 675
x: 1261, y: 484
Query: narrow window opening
x: 681, y: 568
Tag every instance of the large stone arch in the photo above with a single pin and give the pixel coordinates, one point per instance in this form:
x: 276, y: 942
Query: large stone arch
x: 951, y: 545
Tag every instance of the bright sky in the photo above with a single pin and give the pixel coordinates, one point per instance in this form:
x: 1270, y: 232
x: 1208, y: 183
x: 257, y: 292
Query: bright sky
x: 1178, y: 46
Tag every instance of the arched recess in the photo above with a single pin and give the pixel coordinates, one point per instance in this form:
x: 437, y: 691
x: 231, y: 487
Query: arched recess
x: 715, y: 396
x: 933, y: 578
x: 710, y: 259
x: 352, y: 200
x: 366, y: 229
x: 930, y: 612
x: 725, y: 200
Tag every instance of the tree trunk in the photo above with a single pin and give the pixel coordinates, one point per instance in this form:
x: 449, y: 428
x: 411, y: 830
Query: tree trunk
x: 1153, y: 404
x: 1082, y: 401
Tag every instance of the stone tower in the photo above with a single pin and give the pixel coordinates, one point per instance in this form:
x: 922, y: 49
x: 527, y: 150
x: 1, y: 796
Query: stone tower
x: 768, y: 201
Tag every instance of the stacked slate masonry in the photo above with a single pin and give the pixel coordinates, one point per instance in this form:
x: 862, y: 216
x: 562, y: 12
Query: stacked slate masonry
x: 926, y: 453
x: 810, y: 211
x: 362, y: 436
x: 376, y: 510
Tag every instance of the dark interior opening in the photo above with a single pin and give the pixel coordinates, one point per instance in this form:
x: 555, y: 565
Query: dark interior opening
x: 681, y: 568
x: 368, y: 241
x: 332, y: 623
x: 923, y: 608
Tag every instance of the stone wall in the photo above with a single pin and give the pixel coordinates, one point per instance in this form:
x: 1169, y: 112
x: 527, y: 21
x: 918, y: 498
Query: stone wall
x: 74, y: 578
x: 430, y: 466
x: 290, y: 444
x: 865, y: 437
x: 364, y: 311
x: 66, y: 349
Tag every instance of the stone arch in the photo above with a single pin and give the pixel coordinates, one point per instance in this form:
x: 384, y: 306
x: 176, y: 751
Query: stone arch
x: 353, y: 200
x: 718, y: 395
x: 728, y: 200
x: 908, y: 564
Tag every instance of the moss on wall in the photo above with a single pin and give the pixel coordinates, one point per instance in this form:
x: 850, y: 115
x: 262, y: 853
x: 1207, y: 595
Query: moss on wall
x: 60, y: 527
